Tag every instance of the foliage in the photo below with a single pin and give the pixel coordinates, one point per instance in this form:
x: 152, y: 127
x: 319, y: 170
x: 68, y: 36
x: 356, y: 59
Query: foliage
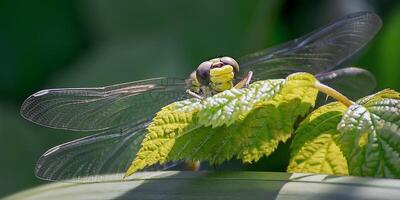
x: 369, y: 135
x: 249, y: 123
x: 216, y: 185
x: 314, y: 148
x: 82, y: 44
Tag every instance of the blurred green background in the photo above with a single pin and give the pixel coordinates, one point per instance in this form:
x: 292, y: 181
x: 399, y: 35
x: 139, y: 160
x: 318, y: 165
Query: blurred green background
x: 69, y: 43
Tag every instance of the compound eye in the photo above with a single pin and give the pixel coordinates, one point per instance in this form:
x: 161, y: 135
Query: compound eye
x: 203, y: 72
x: 232, y: 62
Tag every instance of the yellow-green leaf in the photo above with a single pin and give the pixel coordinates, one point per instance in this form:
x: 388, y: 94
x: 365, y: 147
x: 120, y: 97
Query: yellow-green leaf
x: 165, y: 127
x: 314, y: 149
x: 247, y: 123
x: 370, y: 138
x: 272, y: 121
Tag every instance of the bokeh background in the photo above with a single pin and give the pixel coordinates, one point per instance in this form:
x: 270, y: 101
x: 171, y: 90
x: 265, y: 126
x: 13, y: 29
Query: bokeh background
x: 68, y: 43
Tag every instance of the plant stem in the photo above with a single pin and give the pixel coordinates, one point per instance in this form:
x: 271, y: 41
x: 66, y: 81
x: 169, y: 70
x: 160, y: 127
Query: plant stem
x: 333, y: 93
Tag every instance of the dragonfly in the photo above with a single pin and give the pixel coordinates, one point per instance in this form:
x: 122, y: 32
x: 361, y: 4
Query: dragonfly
x: 117, y: 115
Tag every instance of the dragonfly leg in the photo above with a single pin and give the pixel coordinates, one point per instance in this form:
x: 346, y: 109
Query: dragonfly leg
x: 193, y: 165
x: 193, y: 94
x: 245, y: 81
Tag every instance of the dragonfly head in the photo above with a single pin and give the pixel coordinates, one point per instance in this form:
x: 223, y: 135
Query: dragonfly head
x: 217, y: 73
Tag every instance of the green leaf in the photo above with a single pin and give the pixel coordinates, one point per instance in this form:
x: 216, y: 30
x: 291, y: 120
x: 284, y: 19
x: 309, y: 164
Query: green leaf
x: 272, y: 121
x: 232, y: 105
x: 165, y: 127
x: 247, y: 123
x: 215, y: 185
x: 314, y: 149
x: 370, y: 138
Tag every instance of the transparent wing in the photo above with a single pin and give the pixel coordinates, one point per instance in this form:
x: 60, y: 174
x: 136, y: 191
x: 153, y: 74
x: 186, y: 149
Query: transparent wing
x: 319, y: 51
x: 353, y: 82
x: 90, y: 109
x: 108, y: 152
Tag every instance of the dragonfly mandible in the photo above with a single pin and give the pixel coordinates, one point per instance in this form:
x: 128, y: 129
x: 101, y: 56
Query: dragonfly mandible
x: 118, y: 114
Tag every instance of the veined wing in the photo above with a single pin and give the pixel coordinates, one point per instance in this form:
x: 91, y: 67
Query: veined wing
x: 317, y: 52
x: 93, y: 109
x: 353, y: 82
x: 108, y: 152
